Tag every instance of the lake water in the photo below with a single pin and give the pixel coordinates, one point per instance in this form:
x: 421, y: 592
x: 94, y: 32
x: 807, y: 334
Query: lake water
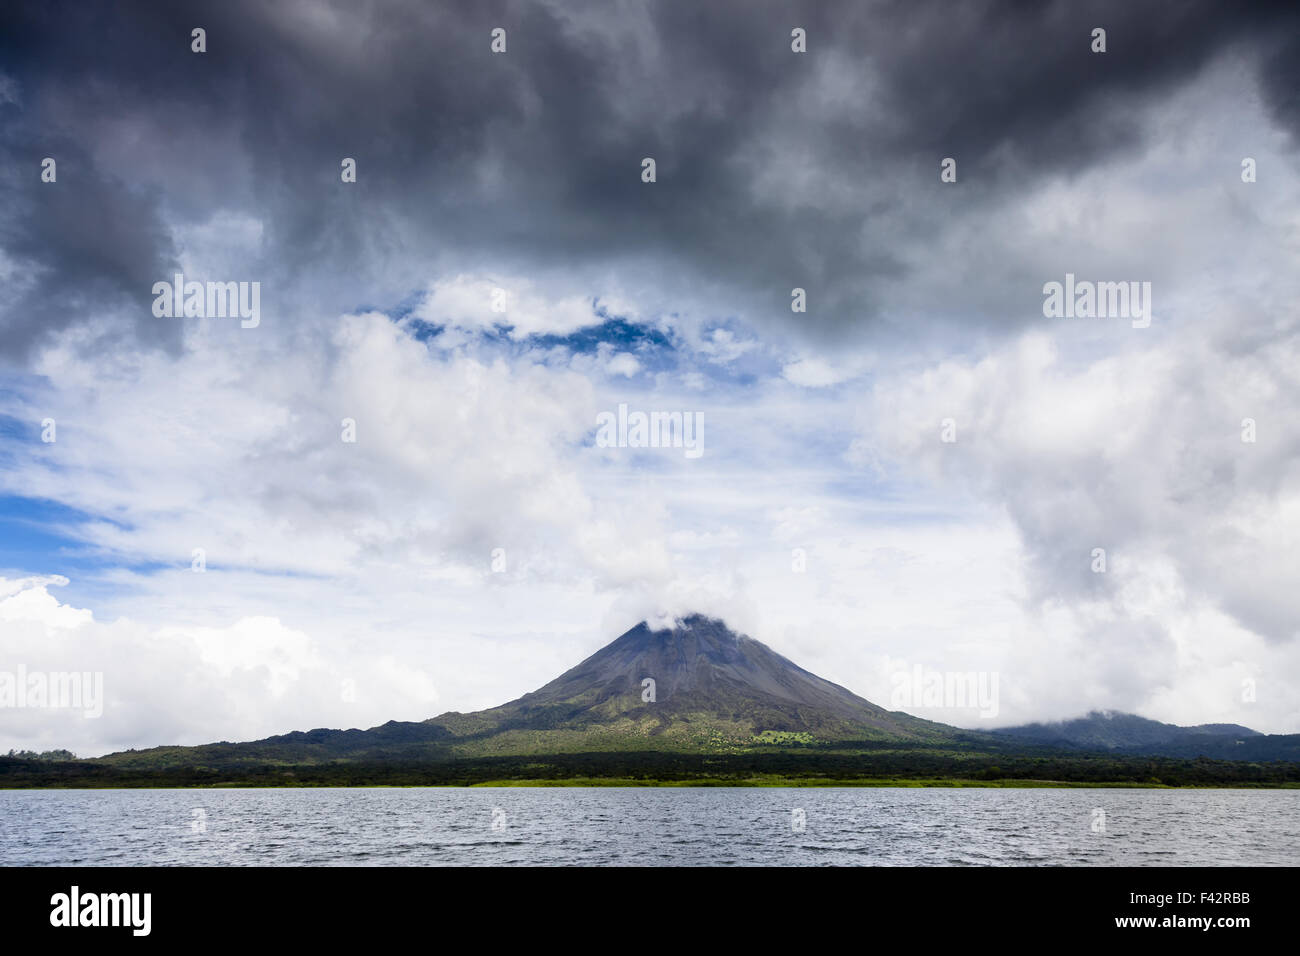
x: 677, y: 826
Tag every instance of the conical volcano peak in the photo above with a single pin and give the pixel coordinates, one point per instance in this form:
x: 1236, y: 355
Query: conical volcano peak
x: 696, y: 674
x: 704, y: 625
x: 692, y: 628
x: 674, y: 656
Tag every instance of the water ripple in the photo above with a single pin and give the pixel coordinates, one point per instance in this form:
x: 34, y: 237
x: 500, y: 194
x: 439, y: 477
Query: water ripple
x: 611, y: 826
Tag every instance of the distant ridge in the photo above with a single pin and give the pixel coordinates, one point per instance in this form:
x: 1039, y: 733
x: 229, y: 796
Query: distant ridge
x: 1117, y: 732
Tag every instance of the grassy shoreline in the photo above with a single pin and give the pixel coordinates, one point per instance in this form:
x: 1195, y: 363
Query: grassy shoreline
x: 917, y: 767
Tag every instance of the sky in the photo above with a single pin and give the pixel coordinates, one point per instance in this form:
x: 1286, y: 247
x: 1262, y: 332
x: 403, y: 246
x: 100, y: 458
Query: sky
x: 919, y: 469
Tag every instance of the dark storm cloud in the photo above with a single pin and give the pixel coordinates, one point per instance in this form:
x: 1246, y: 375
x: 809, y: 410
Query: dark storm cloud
x: 774, y: 169
x: 92, y: 246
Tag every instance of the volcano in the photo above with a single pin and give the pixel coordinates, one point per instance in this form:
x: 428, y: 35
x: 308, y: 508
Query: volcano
x: 696, y: 687
x: 693, y: 684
